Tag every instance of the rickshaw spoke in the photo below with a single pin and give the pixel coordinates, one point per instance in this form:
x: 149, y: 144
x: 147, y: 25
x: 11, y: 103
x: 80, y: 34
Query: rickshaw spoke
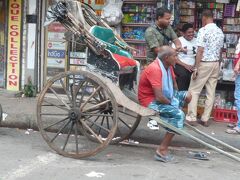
x: 69, y: 132
x: 124, y: 123
x: 50, y: 114
x: 56, y: 123
x: 105, y: 115
x: 66, y: 91
x: 76, y: 137
x: 83, y: 93
x: 97, y: 105
x: 73, y: 91
x: 59, y: 98
x: 108, y: 122
x: 59, y: 131
x: 90, y: 97
x: 65, y: 109
x: 91, y: 131
x: 101, y: 125
x: 94, y: 120
x: 107, y: 130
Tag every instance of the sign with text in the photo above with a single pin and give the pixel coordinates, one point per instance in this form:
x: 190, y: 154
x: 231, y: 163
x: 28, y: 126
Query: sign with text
x: 14, y: 44
x: 56, y: 45
x: 52, y: 53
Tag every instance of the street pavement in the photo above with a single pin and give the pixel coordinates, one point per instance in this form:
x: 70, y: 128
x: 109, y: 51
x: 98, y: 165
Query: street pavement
x: 25, y: 156
x: 21, y: 113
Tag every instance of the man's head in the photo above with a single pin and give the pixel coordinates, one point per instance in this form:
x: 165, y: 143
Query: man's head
x: 207, y: 17
x: 188, y: 31
x: 168, y: 56
x: 163, y: 17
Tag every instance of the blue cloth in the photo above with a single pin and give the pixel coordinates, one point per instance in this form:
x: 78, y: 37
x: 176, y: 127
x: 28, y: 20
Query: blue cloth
x: 172, y: 114
x: 237, y: 98
x: 167, y: 81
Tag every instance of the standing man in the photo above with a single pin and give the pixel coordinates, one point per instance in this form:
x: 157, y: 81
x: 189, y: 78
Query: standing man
x: 161, y: 33
x: 158, y: 91
x: 209, y: 41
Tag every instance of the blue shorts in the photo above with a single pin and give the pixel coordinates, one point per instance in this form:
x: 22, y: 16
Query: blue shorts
x: 169, y: 113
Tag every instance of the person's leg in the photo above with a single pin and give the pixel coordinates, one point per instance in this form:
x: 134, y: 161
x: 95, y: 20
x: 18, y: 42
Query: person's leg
x: 210, y: 92
x: 237, y: 99
x: 173, y: 116
x: 195, y: 89
x: 184, y: 97
x: 163, y: 147
x: 236, y: 129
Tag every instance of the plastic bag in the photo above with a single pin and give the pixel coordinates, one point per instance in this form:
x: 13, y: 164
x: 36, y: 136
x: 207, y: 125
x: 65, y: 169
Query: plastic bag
x: 112, y: 12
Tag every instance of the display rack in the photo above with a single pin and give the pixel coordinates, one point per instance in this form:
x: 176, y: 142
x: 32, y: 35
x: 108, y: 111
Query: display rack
x: 138, y: 16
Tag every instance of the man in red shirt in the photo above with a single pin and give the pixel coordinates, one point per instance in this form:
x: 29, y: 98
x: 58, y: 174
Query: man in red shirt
x: 158, y: 91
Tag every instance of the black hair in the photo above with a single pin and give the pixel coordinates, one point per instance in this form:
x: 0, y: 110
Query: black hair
x: 161, y: 11
x: 207, y: 13
x: 186, y: 26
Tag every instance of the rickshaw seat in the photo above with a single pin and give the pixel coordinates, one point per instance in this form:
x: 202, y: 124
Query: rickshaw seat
x: 124, y: 58
x: 107, y: 36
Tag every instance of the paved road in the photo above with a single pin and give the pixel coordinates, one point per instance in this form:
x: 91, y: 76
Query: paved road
x: 24, y: 155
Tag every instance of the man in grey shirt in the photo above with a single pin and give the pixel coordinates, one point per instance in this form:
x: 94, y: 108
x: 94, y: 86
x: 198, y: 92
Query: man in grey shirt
x: 161, y: 33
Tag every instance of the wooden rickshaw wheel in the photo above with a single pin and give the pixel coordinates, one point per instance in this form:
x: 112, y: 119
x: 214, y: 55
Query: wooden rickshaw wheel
x: 68, y: 107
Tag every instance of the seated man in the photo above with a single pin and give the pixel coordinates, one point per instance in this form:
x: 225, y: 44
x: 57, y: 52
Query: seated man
x: 158, y: 91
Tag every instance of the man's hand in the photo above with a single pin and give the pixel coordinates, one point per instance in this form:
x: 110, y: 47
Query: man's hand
x: 189, y: 67
x: 194, y: 74
x: 181, y: 49
x: 237, y: 68
x: 175, y: 102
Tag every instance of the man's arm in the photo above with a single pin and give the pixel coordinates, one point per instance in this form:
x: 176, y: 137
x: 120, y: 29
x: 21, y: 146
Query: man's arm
x: 199, y: 56
x: 160, y: 97
x: 178, y: 46
x: 151, y: 40
x: 177, y: 43
x: 175, y: 86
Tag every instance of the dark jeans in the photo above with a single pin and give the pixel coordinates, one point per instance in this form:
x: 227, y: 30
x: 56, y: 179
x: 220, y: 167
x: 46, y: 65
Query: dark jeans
x: 183, y: 77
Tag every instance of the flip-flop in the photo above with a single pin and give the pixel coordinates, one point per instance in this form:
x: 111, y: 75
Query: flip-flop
x: 159, y: 157
x: 198, y: 155
x: 232, y: 131
x: 231, y: 125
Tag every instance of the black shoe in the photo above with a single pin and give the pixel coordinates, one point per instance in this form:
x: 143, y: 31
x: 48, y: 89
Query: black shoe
x: 204, y: 123
x: 192, y: 123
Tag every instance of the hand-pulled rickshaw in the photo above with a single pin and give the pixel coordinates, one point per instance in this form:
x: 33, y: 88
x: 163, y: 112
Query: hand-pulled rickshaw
x: 98, y: 102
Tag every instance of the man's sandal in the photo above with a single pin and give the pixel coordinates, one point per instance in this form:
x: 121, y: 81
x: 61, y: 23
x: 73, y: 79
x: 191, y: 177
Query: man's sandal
x: 166, y: 158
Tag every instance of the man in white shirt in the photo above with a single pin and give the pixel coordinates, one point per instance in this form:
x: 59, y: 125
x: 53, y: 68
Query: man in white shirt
x: 186, y: 60
x: 209, y: 41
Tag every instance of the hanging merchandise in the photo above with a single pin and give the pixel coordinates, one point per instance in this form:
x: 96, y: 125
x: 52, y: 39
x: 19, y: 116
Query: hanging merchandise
x: 112, y: 12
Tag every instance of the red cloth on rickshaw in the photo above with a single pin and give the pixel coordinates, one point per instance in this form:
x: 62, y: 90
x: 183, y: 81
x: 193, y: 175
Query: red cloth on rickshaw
x: 124, y: 61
